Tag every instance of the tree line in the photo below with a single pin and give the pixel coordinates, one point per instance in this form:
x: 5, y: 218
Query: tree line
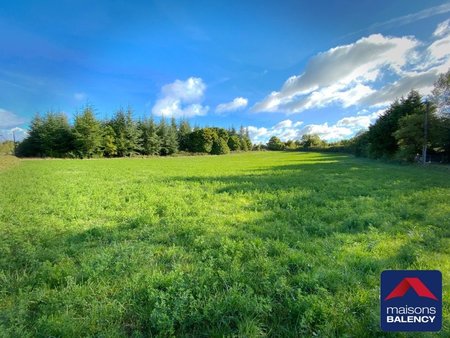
x: 400, y: 133
x: 52, y: 135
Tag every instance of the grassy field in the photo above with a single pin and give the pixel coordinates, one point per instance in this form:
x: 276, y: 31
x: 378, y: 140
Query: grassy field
x: 252, y: 244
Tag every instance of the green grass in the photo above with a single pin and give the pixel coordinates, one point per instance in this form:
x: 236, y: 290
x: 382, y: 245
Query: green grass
x: 254, y: 244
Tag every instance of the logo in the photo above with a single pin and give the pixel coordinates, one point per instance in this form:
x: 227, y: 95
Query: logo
x: 411, y: 300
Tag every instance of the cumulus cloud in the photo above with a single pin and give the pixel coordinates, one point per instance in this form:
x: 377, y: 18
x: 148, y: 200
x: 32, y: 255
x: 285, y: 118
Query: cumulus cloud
x: 181, y: 99
x: 349, y: 75
x: 285, y: 130
x: 289, y: 130
x: 356, y: 123
x: 237, y: 104
x: 423, y: 81
x: 341, y: 74
x: 9, y: 119
x: 326, y: 132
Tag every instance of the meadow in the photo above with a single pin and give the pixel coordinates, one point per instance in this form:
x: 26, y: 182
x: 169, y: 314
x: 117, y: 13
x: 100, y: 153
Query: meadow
x: 282, y: 244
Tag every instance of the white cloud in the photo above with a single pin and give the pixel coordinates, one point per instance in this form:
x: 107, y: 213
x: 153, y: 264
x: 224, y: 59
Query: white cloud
x: 9, y: 119
x: 285, y: 130
x: 289, y: 130
x: 440, y: 49
x: 237, y: 104
x: 341, y: 74
x: 327, y: 132
x: 442, y: 29
x: 414, y: 17
x: 181, y: 99
x: 360, y: 121
x: 349, y: 75
x: 9, y: 134
x: 419, y: 81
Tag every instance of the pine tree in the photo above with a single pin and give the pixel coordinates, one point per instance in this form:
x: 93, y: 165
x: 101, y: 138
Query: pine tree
x: 87, y: 133
x: 234, y: 142
x: 127, y: 133
x: 246, y: 143
x: 118, y: 124
x: 108, y: 141
x: 150, y: 142
x: 32, y: 145
x: 184, y: 130
x: 55, y: 135
x: 168, y: 136
x: 172, y: 137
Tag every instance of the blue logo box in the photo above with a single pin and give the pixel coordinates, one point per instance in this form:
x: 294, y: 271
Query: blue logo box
x: 411, y: 300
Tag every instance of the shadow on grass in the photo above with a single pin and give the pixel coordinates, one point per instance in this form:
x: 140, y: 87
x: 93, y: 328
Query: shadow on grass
x: 299, y: 255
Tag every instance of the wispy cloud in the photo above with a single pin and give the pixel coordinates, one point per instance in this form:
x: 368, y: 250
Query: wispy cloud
x: 181, y: 99
x: 403, y: 20
x: 442, y: 29
x: 237, y: 104
x: 80, y: 96
x: 413, y: 17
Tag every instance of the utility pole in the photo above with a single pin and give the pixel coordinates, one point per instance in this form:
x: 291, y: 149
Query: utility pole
x: 14, y: 141
x: 425, y: 133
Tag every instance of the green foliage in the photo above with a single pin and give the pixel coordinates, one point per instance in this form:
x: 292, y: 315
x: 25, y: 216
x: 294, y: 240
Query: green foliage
x: 311, y: 141
x: 220, y: 147
x: 201, y: 140
x: 410, y: 135
x: 127, y: 133
x: 359, y: 145
x: 122, y: 136
x: 234, y: 143
x: 150, y: 140
x: 383, y: 143
x: 183, y: 135
x: 400, y: 131
x: 442, y: 136
x: 86, y: 130
x: 48, y: 136
x: 441, y: 99
x: 291, y: 145
x: 109, y: 141
x: 275, y: 144
x: 246, y: 143
x: 168, y: 138
x: 282, y: 244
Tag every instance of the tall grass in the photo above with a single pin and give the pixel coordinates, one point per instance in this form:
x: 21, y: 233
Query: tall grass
x: 255, y: 244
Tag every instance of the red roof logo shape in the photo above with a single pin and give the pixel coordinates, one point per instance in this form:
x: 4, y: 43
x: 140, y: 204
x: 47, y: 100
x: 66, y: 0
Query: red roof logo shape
x: 406, y: 284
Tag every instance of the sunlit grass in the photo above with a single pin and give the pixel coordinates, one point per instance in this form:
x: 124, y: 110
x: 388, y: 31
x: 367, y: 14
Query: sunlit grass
x: 277, y: 244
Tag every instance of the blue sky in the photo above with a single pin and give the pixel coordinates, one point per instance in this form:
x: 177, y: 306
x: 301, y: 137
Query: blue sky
x: 280, y: 68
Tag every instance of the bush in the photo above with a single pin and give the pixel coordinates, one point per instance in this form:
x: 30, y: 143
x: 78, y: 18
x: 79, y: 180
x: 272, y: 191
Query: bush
x: 220, y: 147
